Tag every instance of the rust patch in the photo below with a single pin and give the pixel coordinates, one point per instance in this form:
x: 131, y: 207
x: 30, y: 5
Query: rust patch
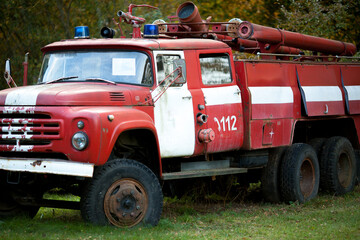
x: 36, y: 163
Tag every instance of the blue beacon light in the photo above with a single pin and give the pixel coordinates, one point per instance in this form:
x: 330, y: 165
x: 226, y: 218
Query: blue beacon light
x: 81, y: 32
x: 151, y: 31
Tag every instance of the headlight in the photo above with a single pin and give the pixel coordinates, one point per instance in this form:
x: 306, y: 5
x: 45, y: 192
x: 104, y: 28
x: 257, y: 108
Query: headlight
x: 80, y: 141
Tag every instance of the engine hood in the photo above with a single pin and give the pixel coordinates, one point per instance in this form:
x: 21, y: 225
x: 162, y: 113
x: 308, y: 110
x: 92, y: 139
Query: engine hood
x: 75, y: 94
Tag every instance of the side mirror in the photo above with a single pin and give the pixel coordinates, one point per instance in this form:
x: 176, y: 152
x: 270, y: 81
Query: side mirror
x: 9, y: 80
x: 181, y: 73
x: 7, y: 67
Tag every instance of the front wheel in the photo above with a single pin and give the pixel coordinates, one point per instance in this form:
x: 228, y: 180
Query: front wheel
x: 123, y: 193
x: 300, y: 174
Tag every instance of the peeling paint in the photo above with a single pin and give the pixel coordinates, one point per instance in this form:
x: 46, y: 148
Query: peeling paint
x: 17, y: 120
x: 61, y: 167
x: 36, y: 163
x: 18, y: 148
x: 25, y: 110
x: 8, y: 132
x: 17, y: 132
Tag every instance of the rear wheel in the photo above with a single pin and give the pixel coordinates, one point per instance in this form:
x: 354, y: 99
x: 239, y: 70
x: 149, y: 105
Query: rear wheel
x: 338, y: 166
x: 317, y: 144
x: 299, y: 178
x: 270, y: 175
x: 123, y: 193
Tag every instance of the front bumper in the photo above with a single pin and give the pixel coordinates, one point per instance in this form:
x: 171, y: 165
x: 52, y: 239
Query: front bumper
x: 47, y: 166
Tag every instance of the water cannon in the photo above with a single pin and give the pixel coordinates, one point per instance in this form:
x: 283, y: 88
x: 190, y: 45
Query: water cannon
x: 191, y: 25
x: 136, y: 22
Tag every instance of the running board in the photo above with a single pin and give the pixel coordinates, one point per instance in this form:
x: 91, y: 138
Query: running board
x: 202, y: 173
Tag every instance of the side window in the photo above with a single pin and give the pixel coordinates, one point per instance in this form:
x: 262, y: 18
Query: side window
x: 164, y: 64
x: 147, y: 77
x: 215, y: 69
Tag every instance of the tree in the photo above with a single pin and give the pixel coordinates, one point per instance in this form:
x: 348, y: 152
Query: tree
x: 265, y: 12
x: 334, y: 19
x: 28, y: 25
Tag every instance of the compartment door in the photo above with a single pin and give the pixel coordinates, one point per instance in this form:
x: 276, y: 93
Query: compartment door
x: 320, y: 89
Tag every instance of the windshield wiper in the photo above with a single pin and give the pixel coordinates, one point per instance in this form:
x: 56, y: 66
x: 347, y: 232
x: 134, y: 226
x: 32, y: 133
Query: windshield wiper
x: 100, y: 80
x: 61, y: 79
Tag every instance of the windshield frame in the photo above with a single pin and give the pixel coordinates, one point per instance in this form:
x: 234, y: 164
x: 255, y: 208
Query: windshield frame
x: 147, y: 67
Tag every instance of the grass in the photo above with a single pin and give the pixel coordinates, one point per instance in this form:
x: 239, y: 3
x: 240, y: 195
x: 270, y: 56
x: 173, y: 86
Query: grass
x: 326, y: 217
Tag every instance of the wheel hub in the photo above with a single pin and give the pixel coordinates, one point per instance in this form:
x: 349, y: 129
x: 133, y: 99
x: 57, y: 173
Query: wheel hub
x: 344, y: 170
x: 125, y: 203
x: 307, y: 178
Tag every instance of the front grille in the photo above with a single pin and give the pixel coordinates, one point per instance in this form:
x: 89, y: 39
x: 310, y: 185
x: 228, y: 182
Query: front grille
x: 117, y: 96
x: 28, y: 129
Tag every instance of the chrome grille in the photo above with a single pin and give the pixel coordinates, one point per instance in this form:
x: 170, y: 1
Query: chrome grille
x: 28, y: 129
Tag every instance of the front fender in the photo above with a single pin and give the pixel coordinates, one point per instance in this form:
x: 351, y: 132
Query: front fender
x: 123, y: 119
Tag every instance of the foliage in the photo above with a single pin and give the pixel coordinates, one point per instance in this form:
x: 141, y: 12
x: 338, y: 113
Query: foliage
x: 28, y: 25
x: 334, y: 19
x: 265, y: 12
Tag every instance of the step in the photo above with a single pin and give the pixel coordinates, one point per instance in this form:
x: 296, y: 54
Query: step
x: 202, y: 173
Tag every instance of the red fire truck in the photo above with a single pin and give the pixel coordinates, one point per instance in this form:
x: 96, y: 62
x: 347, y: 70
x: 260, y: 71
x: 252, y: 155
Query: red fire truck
x: 112, y: 118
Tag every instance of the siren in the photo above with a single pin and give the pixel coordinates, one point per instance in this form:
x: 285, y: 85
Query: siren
x: 151, y: 31
x: 81, y: 32
x: 107, y: 32
x: 162, y: 28
x: 233, y: 28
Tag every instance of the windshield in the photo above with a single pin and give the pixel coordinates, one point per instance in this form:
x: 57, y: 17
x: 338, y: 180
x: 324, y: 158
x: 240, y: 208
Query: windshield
x: 113, y: 66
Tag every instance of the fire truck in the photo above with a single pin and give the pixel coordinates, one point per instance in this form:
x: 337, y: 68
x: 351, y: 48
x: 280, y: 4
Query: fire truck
x: 110, y: 119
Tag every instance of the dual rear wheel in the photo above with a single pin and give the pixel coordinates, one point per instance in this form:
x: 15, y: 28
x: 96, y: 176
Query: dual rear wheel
x: 296, y: 173
x: 338, y: 166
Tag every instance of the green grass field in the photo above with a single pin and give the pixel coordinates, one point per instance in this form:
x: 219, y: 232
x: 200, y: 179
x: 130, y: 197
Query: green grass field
x: 326, y: 217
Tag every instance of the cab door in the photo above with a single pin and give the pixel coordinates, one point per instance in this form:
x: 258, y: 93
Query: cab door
x: 174, y: 113
x: 222, y: 100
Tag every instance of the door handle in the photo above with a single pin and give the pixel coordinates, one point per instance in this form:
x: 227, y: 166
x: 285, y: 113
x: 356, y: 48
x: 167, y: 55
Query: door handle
x: 187, y: 97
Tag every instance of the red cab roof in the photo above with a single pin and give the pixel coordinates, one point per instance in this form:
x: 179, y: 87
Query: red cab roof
x: 121, y: 43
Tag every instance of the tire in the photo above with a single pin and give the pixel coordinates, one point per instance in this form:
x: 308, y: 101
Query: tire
x: 123, y: 193
x: 317, y: 144
x: 338, y: 166
x: 300, y: 174
x: 270, y: 176
x: 357, y: 156
x: 10, y: 208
